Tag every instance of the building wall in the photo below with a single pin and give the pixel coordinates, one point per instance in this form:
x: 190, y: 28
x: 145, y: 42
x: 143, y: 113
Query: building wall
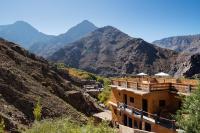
x: 172, y: 100
x: 115, y: 96
x: 154, y: 127
x: 159, y: 129
x: 137, y: 99
x: 153, y: 99
x: 116, y: 117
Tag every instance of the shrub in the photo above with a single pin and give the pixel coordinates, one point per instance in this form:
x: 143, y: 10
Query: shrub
x: 60, y: 65
x: 91, y: 76
x: 100, y: 80
x: 188, y: 117
x: 37, y: 111
x: 67, y: 126
x: 105, y: 94
x: 2, y: 125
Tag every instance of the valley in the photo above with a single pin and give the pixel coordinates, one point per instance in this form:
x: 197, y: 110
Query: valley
x: 61, y: 70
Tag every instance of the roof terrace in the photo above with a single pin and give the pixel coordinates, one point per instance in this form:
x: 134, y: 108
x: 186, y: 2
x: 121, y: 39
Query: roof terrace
x: 150, y: 84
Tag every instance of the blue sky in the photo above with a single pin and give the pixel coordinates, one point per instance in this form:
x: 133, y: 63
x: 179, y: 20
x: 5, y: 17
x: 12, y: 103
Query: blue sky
x: 147, y: 19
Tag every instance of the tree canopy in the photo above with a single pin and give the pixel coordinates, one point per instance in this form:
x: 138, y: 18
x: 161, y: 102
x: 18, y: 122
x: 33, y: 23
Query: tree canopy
x: 188, y: 117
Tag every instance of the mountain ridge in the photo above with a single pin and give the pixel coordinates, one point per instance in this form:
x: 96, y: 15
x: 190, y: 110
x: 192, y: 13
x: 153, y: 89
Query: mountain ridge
x: 108, y: 51
x: 22, y: 33
x: 179, y: 43
x: 30, y: 38
x: 76, y: 32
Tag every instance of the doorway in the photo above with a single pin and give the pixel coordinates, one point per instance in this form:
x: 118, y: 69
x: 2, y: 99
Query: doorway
x: 130, y: 122
x: 147, y: 126
x: 145, y: 106
x: 125, y: 120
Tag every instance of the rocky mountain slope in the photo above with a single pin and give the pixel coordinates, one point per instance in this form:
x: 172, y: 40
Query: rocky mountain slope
x: 187, y: 62
x: 75, y: 33
x: 23, y: 33
x: 25, y: 78
x: 186, y: 65
x: 108, y: 51
x: 190, y: 43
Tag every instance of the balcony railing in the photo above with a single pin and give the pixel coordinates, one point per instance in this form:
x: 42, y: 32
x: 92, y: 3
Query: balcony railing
x: 149, y: 87
x: 148, y: 116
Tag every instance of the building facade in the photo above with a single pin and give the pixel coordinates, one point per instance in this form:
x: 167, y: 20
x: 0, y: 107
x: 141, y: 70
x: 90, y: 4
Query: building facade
x: 148, y: 103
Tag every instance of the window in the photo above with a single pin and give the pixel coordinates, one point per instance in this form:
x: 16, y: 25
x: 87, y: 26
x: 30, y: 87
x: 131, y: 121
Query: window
x: 161, y: 103
x: 131, y: 99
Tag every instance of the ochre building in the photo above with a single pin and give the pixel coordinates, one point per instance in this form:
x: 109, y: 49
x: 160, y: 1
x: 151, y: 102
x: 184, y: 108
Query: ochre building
x: 148, y: 103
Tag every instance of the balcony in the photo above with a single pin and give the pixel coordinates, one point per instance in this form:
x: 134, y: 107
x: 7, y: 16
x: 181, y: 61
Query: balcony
x: 145, y: 116
x: 147, y: 86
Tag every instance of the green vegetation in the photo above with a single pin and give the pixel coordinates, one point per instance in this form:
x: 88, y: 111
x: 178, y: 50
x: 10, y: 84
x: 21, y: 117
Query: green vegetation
x: 2, y: 125
x: 188, y: 117
x: 37, y: 112
x: 81, y: 74
x: 67, y: 126
x: 105, y: 94
x: 60, y: 65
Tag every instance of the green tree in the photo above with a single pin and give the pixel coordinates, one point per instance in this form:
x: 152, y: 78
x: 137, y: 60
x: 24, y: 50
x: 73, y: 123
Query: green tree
x: 60, y: 65
x: 2, y: 125
x: 188, y: 117
x: 37, y: 111
x: 100, y: 80
x: 105, y: 94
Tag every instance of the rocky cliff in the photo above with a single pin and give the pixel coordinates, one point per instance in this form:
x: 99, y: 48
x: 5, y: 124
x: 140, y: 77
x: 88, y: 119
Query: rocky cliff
x: 186, y: 65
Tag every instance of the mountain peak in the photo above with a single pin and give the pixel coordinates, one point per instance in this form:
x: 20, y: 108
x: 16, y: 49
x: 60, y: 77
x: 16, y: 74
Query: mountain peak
x: 85, y: 23
x: 111, y: 32
x: 22, y: 33
x: 22, y: 23
x: 78, y: 31
x: 108, y: 27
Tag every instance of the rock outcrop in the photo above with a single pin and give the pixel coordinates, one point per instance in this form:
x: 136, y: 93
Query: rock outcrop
x: 186, y: 65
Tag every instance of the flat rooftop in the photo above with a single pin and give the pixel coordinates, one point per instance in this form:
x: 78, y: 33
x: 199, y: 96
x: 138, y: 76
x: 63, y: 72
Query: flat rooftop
x: 130, y: 89
x: 105, y: 115
x: 144, y: 85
